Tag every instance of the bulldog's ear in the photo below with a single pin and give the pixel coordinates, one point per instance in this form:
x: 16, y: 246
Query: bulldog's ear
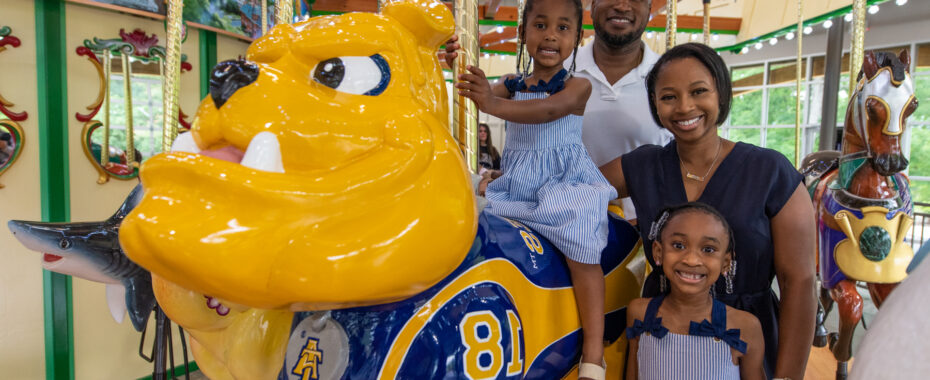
x: 429, y: 20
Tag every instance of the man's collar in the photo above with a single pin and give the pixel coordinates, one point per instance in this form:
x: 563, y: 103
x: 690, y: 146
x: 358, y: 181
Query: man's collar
x: 585, y: 60
x: 649, y: 59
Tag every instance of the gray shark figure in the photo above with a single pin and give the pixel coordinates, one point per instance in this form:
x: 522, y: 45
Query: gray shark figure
x: 91, y: 251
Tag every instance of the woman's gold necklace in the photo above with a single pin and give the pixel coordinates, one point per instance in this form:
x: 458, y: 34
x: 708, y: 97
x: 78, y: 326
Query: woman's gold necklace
x: 701, y: 178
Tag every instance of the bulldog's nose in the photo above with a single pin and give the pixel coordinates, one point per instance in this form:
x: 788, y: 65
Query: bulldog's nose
x: 229, y: 76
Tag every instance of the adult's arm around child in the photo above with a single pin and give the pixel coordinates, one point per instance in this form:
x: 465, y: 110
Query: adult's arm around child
x: 793, y: 238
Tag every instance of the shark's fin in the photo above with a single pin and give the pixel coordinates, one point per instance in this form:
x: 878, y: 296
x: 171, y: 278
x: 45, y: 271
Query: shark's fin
x: 140, y: 299
x: 116, y: 300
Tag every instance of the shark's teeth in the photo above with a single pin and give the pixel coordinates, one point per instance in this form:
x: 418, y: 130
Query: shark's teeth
x: 185, y: 143
x: 264, y: 153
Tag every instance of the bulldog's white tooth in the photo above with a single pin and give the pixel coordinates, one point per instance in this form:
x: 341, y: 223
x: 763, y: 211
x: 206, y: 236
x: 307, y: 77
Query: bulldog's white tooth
x: 185, y: 143
x: 264, y: 153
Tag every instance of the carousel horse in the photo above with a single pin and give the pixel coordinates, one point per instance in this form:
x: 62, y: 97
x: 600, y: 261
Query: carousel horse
x: 319, y: 222
x: 862, y: 199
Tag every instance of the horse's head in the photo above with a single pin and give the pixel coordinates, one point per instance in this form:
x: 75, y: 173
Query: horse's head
x: 879, y: 109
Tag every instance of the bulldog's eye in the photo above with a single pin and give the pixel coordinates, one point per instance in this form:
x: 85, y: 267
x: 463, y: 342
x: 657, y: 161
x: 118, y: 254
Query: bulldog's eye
x: 354, y: 75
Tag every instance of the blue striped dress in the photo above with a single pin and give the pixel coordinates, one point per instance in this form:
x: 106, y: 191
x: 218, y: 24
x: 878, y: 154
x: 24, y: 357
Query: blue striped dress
x: 703, y: 354
x: 550, y: 184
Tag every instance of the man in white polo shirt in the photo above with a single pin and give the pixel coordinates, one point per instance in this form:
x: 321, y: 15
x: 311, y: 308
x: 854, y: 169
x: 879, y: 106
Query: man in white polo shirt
x: 617, y: 118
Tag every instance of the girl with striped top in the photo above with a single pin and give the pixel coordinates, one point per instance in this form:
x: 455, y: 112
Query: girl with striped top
x: 692, y: 246
x: 549, y: 182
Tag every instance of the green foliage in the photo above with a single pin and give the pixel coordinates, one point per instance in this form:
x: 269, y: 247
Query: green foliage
x: 746, y: 109
x: 747, y: 135
x: 782, y: 140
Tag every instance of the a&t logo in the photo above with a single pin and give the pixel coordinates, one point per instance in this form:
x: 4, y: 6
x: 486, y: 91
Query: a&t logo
x: 307, y: 366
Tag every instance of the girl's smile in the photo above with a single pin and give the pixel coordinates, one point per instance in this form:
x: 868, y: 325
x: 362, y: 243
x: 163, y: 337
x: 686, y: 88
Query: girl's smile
x: 550, y: 34
x: 692, y: 250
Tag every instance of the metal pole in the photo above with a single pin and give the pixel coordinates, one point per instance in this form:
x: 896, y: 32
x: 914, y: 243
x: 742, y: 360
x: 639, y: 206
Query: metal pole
x: 707, y: 22
x: 465, y: 113
x: 671, y: 24
x: 858, y: 43
x: 105, y: 143
x: 127, y: 86
x: 833, y: 64
x: 283, y: 12
x: 797, y: 98
x: 171, y: 91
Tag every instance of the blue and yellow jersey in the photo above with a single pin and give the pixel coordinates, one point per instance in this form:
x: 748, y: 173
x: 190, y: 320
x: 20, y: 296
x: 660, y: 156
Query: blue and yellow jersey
x: 507, y: 312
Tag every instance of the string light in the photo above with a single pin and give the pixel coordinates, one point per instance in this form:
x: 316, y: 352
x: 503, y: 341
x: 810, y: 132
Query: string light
x: 744, y: 50
x: 808, y: 30
x: 716, y: 36
x: 789, y: 36
x: 500, y: 29
x: 773, y: 41
x: 900, y: 2
x: 848, y: 17
x: 873, y: 9
x: 758, y: 45
x: 827, y: 24
x: 649, y: 34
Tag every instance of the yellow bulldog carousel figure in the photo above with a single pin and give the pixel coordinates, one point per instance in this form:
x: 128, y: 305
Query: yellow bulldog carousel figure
x: 318, y: 222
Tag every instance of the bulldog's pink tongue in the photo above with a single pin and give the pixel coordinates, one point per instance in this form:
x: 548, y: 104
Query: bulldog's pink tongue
x: 226, y: 153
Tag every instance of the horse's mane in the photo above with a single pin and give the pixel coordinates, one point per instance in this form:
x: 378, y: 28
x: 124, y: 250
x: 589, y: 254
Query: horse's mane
x: 898, y: 68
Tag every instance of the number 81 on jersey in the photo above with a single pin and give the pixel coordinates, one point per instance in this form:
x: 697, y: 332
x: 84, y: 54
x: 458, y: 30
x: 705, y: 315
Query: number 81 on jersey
x: 485, y: 355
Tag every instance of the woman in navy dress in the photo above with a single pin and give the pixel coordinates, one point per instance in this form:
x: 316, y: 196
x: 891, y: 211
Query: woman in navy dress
x: 756, y: 189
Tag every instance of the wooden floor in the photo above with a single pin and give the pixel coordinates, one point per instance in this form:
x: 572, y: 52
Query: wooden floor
x: 821, y: 365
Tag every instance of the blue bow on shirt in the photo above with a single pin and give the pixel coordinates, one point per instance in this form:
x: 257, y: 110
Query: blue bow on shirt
x: 556, y: 84
x: 730, y: 337
x: 653, y: 327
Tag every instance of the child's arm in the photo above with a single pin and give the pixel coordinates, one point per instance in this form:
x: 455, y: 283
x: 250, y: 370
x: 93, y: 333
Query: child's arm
x: 635, y: 310
x: 750, y: 364
x: 571, y: 100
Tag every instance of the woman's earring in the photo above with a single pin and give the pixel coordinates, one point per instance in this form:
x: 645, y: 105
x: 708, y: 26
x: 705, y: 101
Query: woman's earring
x: 663, y: 283
x: 728, y: 277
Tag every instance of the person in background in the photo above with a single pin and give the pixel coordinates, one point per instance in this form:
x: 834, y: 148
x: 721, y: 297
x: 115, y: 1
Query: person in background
x: 6, y: 147
x: 488, y: 156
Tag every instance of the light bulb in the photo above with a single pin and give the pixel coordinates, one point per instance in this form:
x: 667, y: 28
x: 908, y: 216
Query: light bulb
x: 744, y: 50
x: 500, y: 29
x: 503, y: 57
x: 827, y: 24
x: 649, y: 34
x: 848, y: 17
x: 773, y: 41
x: 789, y: 36
x: 695, y: 36
x: 808, y: 30
x: 758, y: 45
x: 900, y: 2
x: 716, y: 37
x: 873, y: 9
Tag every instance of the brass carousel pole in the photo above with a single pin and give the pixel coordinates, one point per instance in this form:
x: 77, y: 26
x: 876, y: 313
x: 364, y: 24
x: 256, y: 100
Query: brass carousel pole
x: 283, y: 12
x: 797, y: 98
x: 707, y: 22
x: 858, y: 43
x: 172, y: 88
x: 105, y: 143
x: 671, y: 24
x: 264, y: 5
x: 127, y: 86
x: 522, y: 55
x: 464, y: 111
